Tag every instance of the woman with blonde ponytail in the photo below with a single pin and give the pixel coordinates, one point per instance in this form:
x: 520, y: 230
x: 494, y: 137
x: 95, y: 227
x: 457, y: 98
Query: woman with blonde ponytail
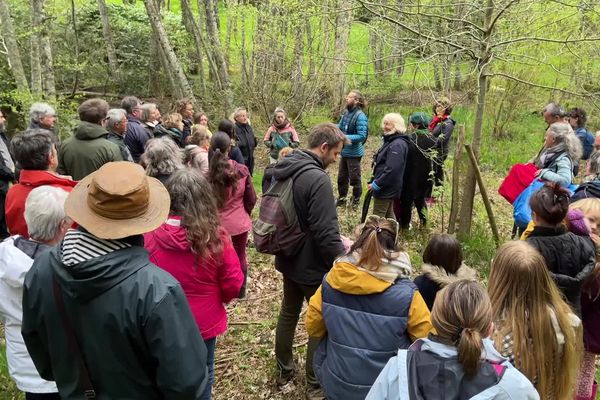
x: 534, y: 327
x: 459, y: 362
x: 366, y: 308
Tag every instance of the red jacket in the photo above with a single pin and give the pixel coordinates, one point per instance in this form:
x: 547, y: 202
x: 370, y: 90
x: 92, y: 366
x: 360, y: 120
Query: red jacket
x: 208, y: 283
x: 17, y: 195
x: 235, y: 213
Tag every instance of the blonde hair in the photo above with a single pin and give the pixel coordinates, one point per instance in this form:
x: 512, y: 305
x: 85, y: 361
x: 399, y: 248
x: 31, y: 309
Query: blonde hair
x: 376, y: 241
x: 285, y: 151
x: 462, y: 316
x: 397, y: 120
x: 587, y: 206
x: 199, y: 134
x: 524, y: 297
x: 172, y: 120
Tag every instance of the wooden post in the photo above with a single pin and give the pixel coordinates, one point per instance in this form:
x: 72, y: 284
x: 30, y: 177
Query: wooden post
x: 484, y: 196
x: 456, y: 179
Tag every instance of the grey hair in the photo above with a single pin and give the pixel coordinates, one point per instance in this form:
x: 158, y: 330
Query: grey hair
x: 595, y: 163
x: 161, y: 157
x: 40, y: 110
x: 44, y: 212
x: 113, y: 117
x: 555, y: 109
x: 563, y: 133
x: 146, y: 111
x: 238, y: 111
x: 129, y: 103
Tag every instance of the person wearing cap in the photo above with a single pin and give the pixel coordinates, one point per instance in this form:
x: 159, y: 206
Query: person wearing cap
x: 130, y: 320
x: 35, y: 153
x: 89, y: 148
x: 280, y: 134
x: 389, y: 163
x: 417, y: 175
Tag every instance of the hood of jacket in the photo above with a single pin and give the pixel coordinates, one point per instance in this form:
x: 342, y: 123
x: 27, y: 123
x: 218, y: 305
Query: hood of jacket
x: 294, y: 162
x: 443, y: 350
x: 88, y: 131
x: 88, y: 279
x: 440, y: 276
x: 347, y: 278
x: 170, y: 235
x: 37, y: 178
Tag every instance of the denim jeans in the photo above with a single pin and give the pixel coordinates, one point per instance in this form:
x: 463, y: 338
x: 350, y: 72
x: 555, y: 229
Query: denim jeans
x: 294, y: 295
x: 210, y: 363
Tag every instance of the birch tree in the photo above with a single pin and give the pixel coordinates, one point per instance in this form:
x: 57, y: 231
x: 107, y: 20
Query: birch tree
x: 180, y: 83
x: 111, y: 53
x: 12, y: 48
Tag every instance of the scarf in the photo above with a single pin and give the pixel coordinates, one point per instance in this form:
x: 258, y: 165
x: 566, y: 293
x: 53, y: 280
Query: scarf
x: 550, y: 153
x: 436, y: 120
x: 282, y: 125
x: 394, y: 267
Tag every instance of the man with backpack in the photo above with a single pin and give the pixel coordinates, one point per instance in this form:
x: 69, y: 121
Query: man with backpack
x: 312, y: 256
x: 354, y: 124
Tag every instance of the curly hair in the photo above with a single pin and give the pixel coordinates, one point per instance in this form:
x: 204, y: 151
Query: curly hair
x: 221, y: 174
x: 201, y: 222
x: 161, y: 157
x: 580, y: 115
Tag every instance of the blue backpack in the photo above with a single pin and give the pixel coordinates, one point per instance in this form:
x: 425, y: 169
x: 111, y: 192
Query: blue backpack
x: 587, y: 142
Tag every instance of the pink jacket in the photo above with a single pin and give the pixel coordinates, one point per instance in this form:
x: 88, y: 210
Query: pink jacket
x: 208, y: 283
x: 235, y: 213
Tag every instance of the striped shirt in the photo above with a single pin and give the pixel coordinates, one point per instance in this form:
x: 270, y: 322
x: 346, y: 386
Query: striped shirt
x: 78, y: 246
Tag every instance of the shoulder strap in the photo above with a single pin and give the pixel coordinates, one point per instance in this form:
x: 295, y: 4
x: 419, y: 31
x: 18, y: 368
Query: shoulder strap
x: 89, y: 392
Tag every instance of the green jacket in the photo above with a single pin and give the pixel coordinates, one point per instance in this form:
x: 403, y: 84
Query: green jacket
x: 132, y: 322
x: 86, y: 151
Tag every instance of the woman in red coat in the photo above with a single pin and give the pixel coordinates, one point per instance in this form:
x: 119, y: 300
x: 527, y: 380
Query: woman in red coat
x: 193, y: 247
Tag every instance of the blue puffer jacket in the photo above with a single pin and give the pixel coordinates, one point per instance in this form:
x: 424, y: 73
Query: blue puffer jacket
x: 354, y: 123
x: 363, y: 333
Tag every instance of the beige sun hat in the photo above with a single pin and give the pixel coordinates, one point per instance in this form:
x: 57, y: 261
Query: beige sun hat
x: 117, y: 201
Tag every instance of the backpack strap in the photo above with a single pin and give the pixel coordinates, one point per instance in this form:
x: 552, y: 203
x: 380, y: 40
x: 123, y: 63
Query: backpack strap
x: 88, y: 388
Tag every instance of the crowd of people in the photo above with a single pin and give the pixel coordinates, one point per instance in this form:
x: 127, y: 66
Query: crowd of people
x: 124, y: 243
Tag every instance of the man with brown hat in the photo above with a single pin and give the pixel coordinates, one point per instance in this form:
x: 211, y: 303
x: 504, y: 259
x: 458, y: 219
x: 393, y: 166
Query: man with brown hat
x: 98, y: 317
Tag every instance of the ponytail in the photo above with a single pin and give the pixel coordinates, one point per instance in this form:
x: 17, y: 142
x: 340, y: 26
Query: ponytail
x: 470, y: 346
x: 462, y: 317
x: 377, y: 239
x: 221, y: 175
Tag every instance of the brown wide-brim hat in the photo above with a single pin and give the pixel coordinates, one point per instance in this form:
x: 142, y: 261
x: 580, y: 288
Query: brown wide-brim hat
x: 117, y: 201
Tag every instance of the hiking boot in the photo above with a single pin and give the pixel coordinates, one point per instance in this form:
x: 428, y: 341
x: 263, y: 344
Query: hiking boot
x: 355, y: 203
x: 341, y: 202
x: 285, y: 381
x: 315, y: 393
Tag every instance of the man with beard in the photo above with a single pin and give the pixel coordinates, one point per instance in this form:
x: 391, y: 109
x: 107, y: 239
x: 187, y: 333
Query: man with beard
x: 354, y: 124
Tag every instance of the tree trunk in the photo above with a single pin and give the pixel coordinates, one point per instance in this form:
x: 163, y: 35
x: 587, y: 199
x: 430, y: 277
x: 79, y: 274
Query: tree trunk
x: 466, y: 211
x: 35, y: 54
x: 182, y: 87
x: 48, y: 83
x: 340, y: 51
x: 297, y: 78
x: 212, y: 29
x: 189, y: 22
x: 108, y: 38
x: 12, y: 47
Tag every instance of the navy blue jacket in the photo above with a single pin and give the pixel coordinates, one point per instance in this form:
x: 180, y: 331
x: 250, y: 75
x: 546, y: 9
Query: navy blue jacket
x: 363, y: 333
x: 135, y: 137
x: 390, y: 163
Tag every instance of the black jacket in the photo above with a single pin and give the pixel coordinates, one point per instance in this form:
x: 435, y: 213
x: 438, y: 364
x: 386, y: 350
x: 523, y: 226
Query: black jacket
x: 587, y: 190
x: 247, y: 142
x: 569, y: 258
x: 315, y: 206
x: 132, y: 321
x: 6, y: 175
x: 418, y: 165
x: 390, y: 163
x: 443, y: 132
